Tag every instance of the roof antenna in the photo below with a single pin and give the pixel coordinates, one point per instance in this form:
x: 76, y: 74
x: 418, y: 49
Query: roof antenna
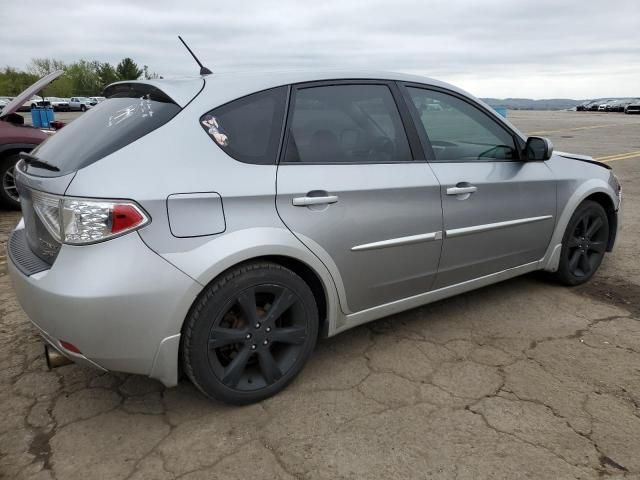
x: 203, y: 70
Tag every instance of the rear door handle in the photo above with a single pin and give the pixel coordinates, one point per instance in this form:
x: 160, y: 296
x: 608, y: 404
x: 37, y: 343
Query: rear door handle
x: 306, y: 201
x: 461, y: 190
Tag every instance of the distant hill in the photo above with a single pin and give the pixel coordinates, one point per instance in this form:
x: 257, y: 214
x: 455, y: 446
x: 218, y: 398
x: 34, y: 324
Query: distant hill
x: 530, y: 104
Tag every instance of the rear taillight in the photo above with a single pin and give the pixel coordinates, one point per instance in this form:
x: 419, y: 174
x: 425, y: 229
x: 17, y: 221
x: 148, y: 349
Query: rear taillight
x: 125, y: 217
x: 79, y: 221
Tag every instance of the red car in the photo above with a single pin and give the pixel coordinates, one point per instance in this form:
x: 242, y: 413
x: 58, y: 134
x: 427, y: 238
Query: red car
x: 15, y: 137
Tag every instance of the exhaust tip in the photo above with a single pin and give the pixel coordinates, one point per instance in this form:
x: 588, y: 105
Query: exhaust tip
x: 54, y: 358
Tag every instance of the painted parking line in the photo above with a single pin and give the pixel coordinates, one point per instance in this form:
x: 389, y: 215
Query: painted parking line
x: 619, y: 156
x: 574, y: 129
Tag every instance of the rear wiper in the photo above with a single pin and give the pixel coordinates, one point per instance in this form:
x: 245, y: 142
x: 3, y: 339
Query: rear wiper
x: 36, y: 162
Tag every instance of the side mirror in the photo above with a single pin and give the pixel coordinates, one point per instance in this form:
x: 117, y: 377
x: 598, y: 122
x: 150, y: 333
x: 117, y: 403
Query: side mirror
x: 538, y: 149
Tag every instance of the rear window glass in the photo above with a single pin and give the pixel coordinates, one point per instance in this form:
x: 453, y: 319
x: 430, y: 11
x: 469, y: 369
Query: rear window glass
x: 248, y: 129
x: 128, y: 113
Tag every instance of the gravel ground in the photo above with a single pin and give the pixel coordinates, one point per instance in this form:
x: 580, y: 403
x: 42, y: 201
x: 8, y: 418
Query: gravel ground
x: 524, y: 379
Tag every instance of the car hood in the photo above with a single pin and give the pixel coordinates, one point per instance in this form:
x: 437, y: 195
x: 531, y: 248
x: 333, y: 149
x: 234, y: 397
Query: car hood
x: 29, y: 92
x: 582, y: 158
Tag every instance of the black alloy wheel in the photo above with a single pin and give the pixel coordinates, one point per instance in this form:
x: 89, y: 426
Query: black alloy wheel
x: 250, y: 333
x: 584, y: 244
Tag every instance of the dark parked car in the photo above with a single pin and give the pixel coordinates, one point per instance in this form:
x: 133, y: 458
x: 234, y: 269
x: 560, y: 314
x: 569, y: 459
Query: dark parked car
x: 15, y: 137
x: 612, y: 106
x: 593, y: 106
x: 583, y: 106
x: 633, y: 107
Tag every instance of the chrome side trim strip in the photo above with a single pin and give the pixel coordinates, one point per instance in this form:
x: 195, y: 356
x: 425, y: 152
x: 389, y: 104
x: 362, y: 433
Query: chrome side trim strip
x: 458, y: 232
x: 373, y: 313
x: 394, y: 242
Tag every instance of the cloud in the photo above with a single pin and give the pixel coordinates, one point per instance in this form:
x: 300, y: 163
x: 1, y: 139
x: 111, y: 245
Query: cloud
x: 494, y: 48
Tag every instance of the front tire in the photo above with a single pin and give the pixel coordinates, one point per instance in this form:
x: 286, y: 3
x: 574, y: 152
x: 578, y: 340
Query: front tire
x: 83, y: 108
x: 250, y: 333
x: 584, y: 244
x: 8, y: 189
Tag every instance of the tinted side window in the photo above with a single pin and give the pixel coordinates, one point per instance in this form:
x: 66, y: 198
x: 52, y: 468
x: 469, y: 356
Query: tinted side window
x: 346, y: 124
x: 459, y: 131
x: 248, y: 129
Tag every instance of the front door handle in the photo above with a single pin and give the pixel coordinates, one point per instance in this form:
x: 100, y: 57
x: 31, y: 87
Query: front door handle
x: 462, y: 190
x: 307, y: 201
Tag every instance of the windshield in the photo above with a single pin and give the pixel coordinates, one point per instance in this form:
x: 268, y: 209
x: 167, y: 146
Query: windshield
x: 121, y: 119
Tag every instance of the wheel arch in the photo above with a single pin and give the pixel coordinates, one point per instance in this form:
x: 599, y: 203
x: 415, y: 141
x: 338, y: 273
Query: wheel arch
x: 594, y: 189
x: 318, y: 288
x: 263, y: 244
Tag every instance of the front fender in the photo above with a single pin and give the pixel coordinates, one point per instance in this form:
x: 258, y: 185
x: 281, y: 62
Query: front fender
x: 595, y: 185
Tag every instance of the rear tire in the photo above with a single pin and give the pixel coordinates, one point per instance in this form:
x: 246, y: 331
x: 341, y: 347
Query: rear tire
x: 584, y: 244
x: 249, y: 333
x: 8, y: 191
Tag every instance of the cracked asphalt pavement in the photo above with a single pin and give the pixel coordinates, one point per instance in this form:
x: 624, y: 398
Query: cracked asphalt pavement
x: 523, y: 379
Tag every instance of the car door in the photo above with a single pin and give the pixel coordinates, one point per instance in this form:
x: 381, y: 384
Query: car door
x: 352, y: 187
x: 498, y: 209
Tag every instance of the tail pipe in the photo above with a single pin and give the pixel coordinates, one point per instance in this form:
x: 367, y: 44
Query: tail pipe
x: 54, y: 358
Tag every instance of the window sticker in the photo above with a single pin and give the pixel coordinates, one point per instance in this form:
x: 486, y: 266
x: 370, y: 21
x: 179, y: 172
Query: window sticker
x: 143, y: 108
x: 215, y: 130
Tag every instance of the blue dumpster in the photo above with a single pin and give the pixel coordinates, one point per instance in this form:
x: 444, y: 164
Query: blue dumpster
x: 41, y: 117
x: 501, y: 110
x: 50, y: 116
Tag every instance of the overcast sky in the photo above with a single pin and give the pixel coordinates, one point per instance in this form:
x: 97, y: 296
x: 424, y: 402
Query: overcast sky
x: 493, y: 48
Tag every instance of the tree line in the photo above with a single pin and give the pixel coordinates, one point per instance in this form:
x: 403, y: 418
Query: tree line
x: 82, y: 78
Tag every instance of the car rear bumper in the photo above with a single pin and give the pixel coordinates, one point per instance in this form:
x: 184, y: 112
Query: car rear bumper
x: 75, y: 357
x: 118, y: 302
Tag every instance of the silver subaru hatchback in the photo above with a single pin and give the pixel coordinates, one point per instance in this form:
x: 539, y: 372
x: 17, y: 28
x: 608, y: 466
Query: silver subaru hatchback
x: 219, y: 225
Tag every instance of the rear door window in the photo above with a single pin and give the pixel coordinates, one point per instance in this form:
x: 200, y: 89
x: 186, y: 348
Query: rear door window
x: 346, y: 124
x: 248, y: 129
x: 130, y: 112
